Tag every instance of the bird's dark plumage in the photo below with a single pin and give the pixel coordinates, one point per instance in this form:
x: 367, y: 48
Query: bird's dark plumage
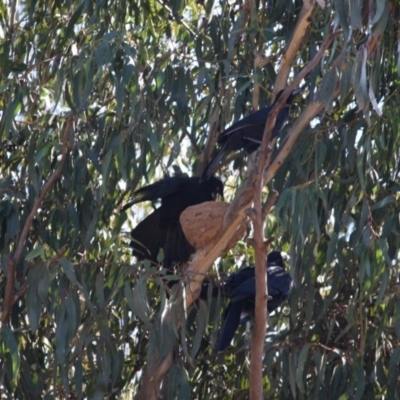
x: 241, y: 288
x: 161, y: 229
x: 247, y: 133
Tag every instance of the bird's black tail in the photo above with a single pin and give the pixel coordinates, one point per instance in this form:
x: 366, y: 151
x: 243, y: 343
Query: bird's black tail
x: 177, y: 249
x: 213, y: 164
x: 148, y: 238
x: 232, y: 321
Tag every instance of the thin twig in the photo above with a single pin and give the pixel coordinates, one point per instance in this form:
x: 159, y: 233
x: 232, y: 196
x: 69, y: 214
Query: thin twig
x: 297, y: 38
x: 55, y: 176
x: 269, y: 204
x: 299, y: 77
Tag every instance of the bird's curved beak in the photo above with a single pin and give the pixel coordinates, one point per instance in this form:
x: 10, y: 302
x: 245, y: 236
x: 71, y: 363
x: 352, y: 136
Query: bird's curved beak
x: 285, y: 256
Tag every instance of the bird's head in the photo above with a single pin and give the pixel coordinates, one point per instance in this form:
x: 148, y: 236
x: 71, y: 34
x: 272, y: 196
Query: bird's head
x: 214, y: 186
x: 277, y: 258
x: 291, y: 96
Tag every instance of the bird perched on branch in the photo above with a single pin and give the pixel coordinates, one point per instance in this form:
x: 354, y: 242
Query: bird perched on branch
x: 247, y: 133
x: 241, y: 288
x: 161, y: 229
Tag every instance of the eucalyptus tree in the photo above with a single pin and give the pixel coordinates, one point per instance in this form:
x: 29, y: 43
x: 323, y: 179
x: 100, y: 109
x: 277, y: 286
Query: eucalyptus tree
x: 100, y: 98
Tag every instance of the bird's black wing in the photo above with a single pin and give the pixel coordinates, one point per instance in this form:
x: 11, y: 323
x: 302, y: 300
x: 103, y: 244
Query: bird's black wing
x: 280, y: 285
x: 182, y: 190
x: 244, y: 134
x: 252, y: 122
x: 245, y: 290
x: 251, y: 128
x: 177, y: 249
x: 148, y: 237
x: 151, y: 235
x: 236, y: 279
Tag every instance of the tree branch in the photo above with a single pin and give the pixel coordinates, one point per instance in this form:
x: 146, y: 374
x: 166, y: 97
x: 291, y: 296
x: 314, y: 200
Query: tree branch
x: 153, y: 377
x: 260, y: 250
x: 261, y: 319
x: 269, y: 204
x: 288, y: 58
x: 12, y: 261
x: 264, y: 161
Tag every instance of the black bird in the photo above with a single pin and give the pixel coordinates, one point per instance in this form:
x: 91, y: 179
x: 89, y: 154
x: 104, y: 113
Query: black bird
x: 161, y: 229
x: 241, y: 288
x: 247, y: 133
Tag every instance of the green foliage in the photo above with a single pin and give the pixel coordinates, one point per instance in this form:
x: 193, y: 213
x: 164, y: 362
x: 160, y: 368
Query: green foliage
x: 147, y: 84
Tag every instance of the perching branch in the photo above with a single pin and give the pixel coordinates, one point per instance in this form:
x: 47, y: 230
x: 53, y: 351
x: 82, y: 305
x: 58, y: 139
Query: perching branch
x: 258, y: 334
x: 259, y: 214
x: 263, y: 163
x: 13, y: 261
